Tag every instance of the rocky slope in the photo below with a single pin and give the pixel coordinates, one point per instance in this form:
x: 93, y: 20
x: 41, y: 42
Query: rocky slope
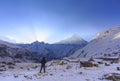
x: 12, y: 53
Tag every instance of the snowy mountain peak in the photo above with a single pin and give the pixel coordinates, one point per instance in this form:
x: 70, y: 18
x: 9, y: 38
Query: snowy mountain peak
x: 75, y: 39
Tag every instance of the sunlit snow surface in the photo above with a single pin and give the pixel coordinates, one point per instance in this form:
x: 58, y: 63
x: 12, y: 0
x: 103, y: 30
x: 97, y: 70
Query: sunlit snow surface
x: 56, y: 72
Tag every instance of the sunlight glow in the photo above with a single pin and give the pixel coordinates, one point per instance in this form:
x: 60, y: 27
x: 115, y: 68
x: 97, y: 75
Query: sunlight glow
x: 29, y: 35
x: 42, y: 35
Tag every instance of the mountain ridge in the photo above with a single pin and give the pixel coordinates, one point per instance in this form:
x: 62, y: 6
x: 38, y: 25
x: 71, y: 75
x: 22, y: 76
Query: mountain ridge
x: 53, y: 51
x: 12, y: 53
x: 105, y: 43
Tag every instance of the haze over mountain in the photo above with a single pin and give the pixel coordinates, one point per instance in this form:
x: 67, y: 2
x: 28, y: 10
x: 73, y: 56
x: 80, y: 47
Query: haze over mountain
x: 57, y: 50
x: 105, y: 44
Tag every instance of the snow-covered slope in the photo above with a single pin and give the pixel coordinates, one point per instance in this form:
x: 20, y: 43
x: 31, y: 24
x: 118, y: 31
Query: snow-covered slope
x: 106, y: 43
x: 75, y: 39
x: 54, y: 51
x: 11, y: 53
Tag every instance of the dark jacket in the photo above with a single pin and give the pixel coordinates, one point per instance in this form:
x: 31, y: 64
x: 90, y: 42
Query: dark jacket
x: 43, y: 61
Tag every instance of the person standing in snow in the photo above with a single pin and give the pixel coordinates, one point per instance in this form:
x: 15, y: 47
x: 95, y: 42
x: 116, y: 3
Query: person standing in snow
x: 43, y: 62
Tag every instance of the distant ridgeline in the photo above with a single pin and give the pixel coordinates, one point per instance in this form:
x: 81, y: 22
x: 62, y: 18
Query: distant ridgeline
x: 57, y: 50
x: 52, y: 51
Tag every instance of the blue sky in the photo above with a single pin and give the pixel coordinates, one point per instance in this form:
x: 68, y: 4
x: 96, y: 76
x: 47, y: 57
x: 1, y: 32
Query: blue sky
x: 53, y: 20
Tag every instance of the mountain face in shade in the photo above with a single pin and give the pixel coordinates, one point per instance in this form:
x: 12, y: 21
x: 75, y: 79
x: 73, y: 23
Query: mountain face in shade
x: 11, y: 53
x: 57, y: 50
x: 105, y: 44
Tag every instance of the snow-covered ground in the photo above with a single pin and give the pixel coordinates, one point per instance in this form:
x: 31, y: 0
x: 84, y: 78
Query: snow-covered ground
x: 55, y: 71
